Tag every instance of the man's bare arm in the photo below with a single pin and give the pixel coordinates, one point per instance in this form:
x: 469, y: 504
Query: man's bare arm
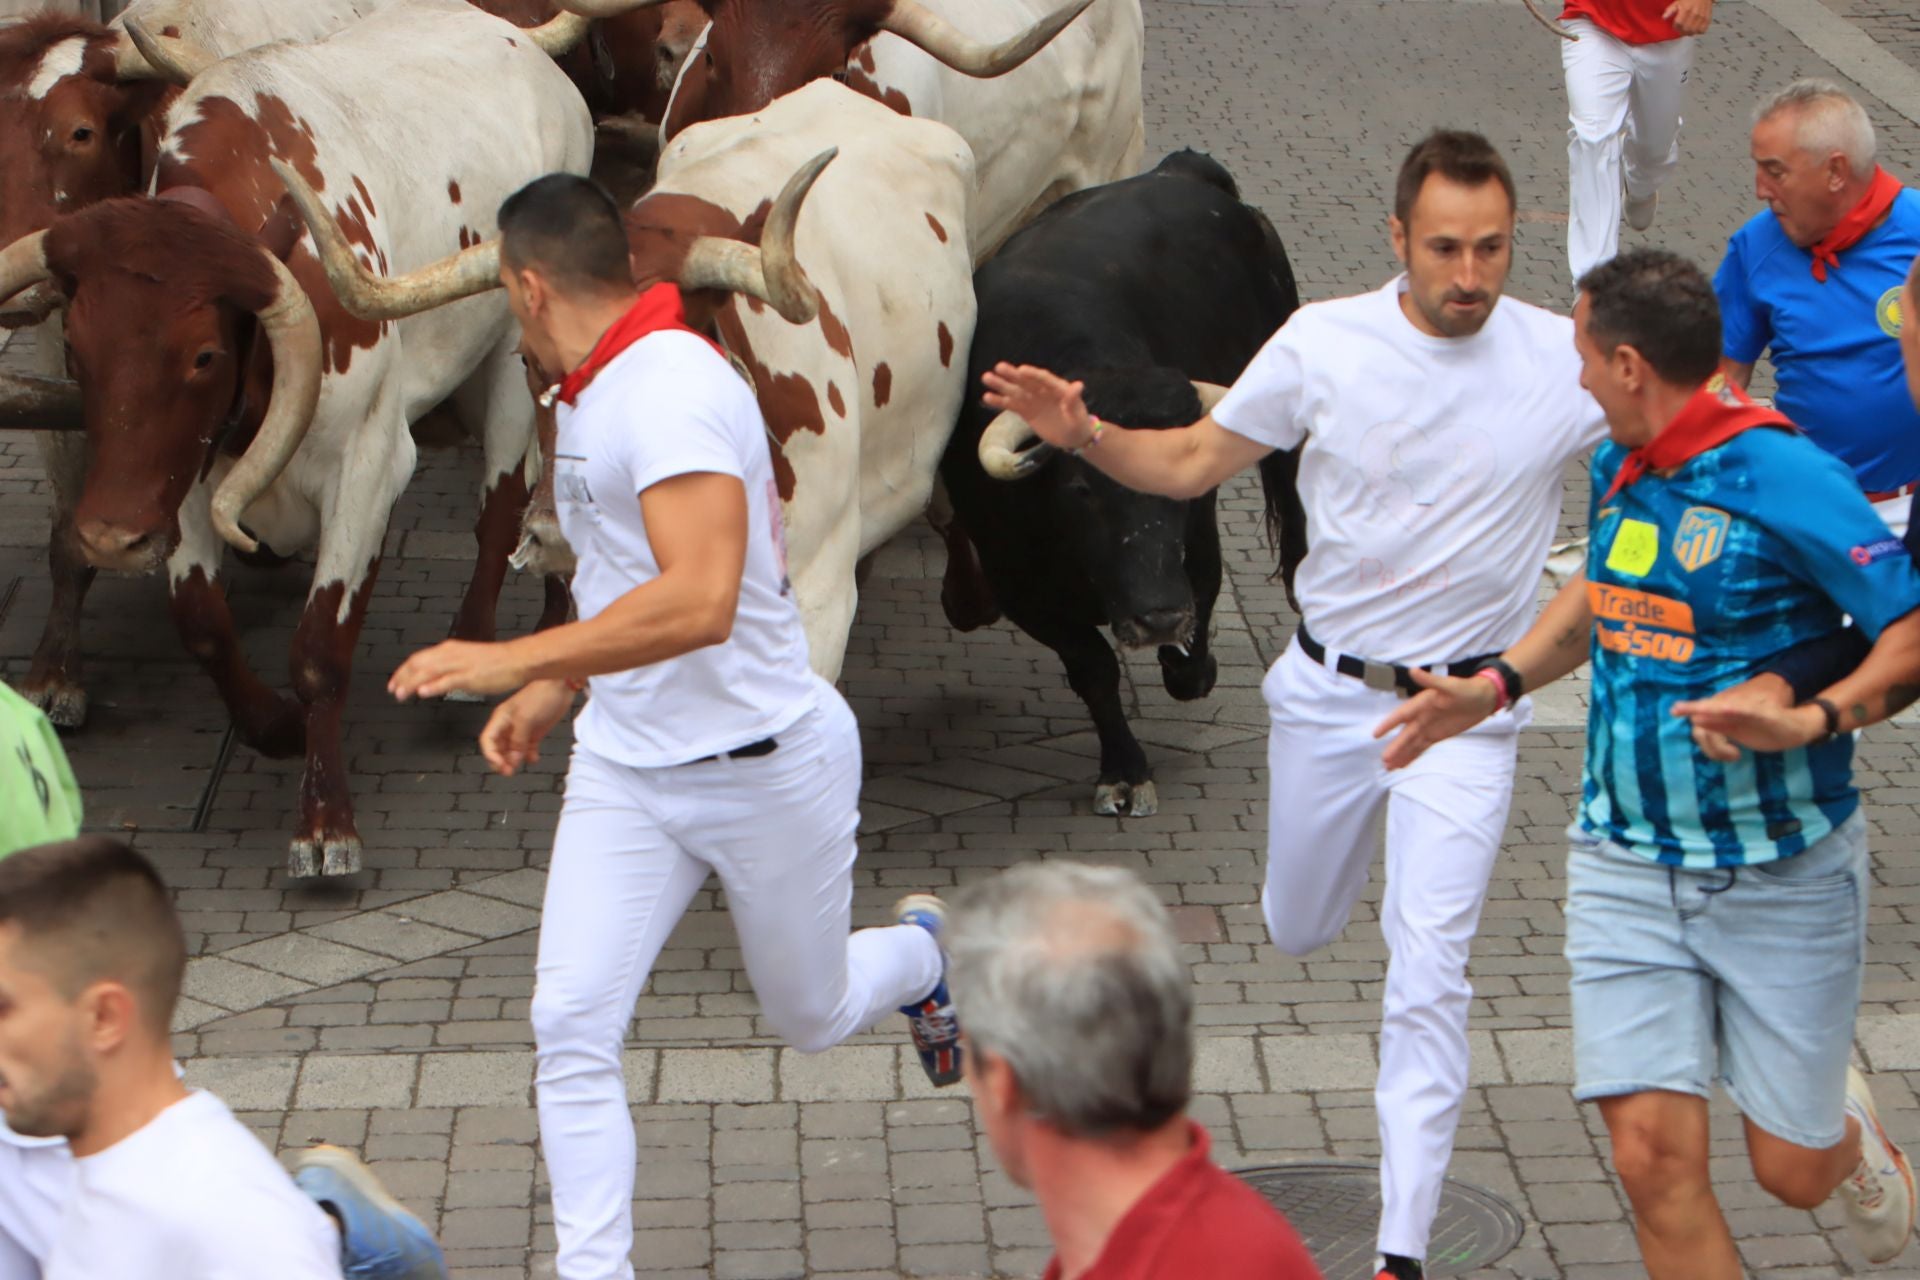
x: 1554, y: 646
x: 697, y: 525
x: 1884, y: 684
x: 1182, y: 462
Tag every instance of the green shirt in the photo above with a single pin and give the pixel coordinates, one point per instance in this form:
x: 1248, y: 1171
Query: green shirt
x: 39, y: 799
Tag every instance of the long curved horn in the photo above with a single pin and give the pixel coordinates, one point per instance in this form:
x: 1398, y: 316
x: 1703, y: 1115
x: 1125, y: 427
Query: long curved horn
x: 770, y: 273
x: 23, y: 264
x: 293, y: 332
x: 370, y: 297
x: 558, y: 35
x: 39, y: 404
x: 166, y: 57
x: 1010, y: 451
x: 914, y: 22
x: 31, y: 306
x: 606, y: 8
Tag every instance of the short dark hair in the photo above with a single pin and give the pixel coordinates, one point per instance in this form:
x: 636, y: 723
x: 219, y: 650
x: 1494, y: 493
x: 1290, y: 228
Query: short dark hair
x: 569, y: 228
x: 1662, y: 306
x: 92, y: 910
x: 1458, y: 155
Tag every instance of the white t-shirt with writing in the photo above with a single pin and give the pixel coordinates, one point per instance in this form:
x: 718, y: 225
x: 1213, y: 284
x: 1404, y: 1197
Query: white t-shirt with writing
x: 1431, y: 471
x: 671, y: 405
x: 193, y: 1195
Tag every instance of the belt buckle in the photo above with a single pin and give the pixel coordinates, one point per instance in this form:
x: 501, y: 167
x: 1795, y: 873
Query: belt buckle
x: 1379, y: 676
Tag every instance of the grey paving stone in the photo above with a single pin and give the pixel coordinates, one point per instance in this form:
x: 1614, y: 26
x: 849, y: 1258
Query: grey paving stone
x: 357, y: 1080
x: 246, y: 1084
x: 476, y: 1079
x: 392, y: 934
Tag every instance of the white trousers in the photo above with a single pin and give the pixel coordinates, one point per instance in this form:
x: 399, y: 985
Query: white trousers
x: 632, y: 848
x: 1444, y: 817
x: 1623, y: 103
x: 36, y: 1181
x: 1895, y: 512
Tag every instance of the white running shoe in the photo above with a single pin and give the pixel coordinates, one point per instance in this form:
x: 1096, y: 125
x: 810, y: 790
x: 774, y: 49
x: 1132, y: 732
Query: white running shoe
x: 1640, y: 212
x: 1878, y: 1195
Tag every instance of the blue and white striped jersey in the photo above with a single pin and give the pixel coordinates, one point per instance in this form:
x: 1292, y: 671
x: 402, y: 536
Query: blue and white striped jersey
x: 1697, y: 578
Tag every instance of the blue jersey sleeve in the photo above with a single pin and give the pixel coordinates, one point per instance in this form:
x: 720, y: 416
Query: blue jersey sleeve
x: 1833, y: 539
x: 1745, y: 329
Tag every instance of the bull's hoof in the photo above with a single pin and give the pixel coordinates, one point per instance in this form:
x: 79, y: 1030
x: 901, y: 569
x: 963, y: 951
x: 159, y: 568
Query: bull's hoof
x: 1188, y: 678
x: 312, y: 857
x: 64, y: 702
x: 1126, y: 799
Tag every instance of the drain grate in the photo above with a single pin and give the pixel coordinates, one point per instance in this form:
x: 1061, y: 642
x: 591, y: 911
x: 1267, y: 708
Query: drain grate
x: 1335, y: 1206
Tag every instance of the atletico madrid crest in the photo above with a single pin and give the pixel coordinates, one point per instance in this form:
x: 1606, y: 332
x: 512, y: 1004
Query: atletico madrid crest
x: 1701, y: 537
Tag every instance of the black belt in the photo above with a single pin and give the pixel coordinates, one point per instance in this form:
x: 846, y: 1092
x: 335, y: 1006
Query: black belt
x: 764, y: 747
x: 1384, y: 676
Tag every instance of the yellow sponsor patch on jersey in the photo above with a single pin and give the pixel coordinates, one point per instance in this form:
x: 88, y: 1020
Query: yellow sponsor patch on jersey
x: 1887, y: 312
x: 1636, y: 545
x: 1701, y: 537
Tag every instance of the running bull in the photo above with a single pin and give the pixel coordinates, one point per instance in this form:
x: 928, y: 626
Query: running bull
x: 856, y: 360
x: 1156, y: 292
x: 227, y: 397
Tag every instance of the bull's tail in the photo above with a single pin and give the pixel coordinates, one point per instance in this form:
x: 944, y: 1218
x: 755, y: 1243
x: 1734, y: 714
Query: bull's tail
x: 1286, y: 515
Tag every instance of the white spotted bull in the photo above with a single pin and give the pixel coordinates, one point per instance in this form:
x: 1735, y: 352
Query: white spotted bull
x: 82, y: 110
x: 856, y: 361
x: 228, y: 397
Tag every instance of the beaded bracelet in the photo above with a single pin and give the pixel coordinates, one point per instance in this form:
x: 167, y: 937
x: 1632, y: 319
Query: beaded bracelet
x: 1092, y: 440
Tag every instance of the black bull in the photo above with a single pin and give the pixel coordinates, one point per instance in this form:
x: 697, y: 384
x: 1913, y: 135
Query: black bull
x: 1139, y: 288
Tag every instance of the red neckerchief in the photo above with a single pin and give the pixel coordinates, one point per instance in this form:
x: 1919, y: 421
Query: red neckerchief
x: 1717, y: 413
x: 659, y: 308
x: 1861, y: 219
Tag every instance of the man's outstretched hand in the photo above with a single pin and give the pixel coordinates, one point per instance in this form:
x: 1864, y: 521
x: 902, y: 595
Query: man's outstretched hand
x: 1051, y: 405
x: 1758, y: 715
x: 1445, y: 706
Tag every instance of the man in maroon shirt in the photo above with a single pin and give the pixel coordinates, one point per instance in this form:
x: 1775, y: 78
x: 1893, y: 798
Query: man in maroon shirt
x: 1626, y: 86
x: 1079, y: 1011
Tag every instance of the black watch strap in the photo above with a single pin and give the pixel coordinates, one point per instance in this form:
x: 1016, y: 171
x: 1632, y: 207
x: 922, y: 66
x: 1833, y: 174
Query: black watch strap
x: 1833, y: 718
x: 1508, y: 677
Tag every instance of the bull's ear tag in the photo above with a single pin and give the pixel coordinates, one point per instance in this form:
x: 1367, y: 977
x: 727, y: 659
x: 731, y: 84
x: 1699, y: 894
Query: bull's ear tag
x: 1635, y: 547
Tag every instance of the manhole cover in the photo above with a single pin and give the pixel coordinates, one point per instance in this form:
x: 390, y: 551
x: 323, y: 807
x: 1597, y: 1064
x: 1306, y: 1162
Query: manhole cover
x: 1335, y: 1206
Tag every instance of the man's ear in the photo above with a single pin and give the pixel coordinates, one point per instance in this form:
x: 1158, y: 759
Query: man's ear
x: 1397, y: 233
x: 1630, y: 368
x: 997, y: 1084
x: 112, y: 1016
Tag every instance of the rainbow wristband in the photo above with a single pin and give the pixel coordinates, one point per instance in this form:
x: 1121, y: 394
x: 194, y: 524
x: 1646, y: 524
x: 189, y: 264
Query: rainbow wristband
x: 1092, y: 440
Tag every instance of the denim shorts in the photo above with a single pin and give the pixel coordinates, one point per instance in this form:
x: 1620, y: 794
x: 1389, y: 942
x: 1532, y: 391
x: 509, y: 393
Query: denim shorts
x: 1745, y: 975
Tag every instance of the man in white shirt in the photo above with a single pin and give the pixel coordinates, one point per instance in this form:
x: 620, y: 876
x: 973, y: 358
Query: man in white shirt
x: 166, y: 1184
x: 707, y: 743
x: 1434, y: 419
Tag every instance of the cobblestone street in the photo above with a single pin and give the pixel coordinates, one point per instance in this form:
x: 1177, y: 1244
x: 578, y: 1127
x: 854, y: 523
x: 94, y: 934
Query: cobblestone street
x: 389, y: 1012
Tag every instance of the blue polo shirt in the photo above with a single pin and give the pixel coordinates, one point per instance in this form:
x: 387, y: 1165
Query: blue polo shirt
x: 1698, y: 578
x: 1835, y: 345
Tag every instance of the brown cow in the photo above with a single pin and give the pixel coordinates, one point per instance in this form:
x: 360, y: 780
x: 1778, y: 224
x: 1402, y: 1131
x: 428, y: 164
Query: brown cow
x: 229, y: 398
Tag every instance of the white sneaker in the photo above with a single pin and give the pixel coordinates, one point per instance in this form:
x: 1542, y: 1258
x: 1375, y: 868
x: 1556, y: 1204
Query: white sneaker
x: 1640, y: 212
x: 1878, y: 1195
